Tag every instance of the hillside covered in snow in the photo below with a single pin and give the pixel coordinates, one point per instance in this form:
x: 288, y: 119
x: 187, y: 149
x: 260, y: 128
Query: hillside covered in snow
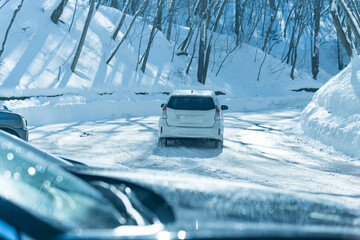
x: 38, y: 54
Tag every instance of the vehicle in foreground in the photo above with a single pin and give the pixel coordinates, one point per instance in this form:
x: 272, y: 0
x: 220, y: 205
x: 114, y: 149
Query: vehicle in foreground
x: 13, y: 123
x: 39, y: 199
x: 45, y: 197
x: 192, y: 114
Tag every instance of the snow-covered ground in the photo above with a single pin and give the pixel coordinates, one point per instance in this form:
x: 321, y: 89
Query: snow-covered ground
x: 265, y: 147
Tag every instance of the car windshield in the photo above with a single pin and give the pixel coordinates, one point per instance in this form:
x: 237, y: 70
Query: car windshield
x: 230, y: 110
x: 191, y: 103
x: 48, y: 191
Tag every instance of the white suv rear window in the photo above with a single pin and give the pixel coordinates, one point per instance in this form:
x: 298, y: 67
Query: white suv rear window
x: 191, y: 103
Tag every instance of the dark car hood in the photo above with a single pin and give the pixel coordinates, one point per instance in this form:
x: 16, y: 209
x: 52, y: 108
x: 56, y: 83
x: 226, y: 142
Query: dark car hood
x: 209, y: 208
x: 10, y: 119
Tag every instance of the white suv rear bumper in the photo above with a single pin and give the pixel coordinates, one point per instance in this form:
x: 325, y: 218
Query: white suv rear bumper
x: 166, y: 131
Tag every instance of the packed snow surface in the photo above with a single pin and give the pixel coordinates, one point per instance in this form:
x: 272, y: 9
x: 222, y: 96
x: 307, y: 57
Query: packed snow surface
x: 333, y: 116
x: 264, y: 147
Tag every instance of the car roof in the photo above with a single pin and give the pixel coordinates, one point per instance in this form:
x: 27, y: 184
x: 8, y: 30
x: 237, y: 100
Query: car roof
x: 193, y: 93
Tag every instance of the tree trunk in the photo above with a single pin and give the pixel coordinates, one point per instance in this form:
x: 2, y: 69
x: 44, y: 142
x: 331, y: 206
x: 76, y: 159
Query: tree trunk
x: 98, y: 4
x: 135, y: 5
x: 159, y: 16
x: 171, y: 16
x: 272, y: 20
x: 339, y: 54
x: 264, y: 8
x: 157, y: 22
x: 193, y: 53
x: 301, y: 20
x: 202, y: 44
x: 340, y: 32
x: 316, y: 47
x: 58, y: 11
x: 125, y: 10
x: 355, y: 11
x: 4, y: 4
x: 209, y: 45
x: 353, y: 24
x: 141, y: 9
x: 83, y: 35
x: 114, y: 4
x: 186, y: 41
x: 73, y: 17
x: 9, y: 27
x: 237, y: 20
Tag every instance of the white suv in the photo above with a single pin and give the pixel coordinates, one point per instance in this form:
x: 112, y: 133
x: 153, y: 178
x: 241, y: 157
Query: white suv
x: 192, y: 114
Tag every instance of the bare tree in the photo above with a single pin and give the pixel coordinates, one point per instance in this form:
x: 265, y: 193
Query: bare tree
x: 210, y: 42
x: 125, y: 10
x: 134, y: 5
x: 98, y: 4
x: 114, y: 4
x: 171, y: 16
x: 197, y: 16
x: 355, y: 11
x: 274, y: 10
x: 301, y: 15
x: 202, y: 44
x: 4, y: 4
x: 73, y: 17
x: 83, y: 35
x: 339, y: 54
x: 339, y: 30
x: 9, y: 27
x: 157, y: 23
x: 350, y: 20
x: 138, y: 12
x: 237, y: 20
x: 315, y: 52
x: 55, y: 16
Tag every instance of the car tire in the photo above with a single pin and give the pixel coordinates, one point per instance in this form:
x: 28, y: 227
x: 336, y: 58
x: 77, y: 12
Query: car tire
x: 162, y: 142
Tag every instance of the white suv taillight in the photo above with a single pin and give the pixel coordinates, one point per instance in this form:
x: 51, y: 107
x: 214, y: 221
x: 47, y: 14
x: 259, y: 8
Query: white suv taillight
x: 217, y: 113
x: 163, y: 115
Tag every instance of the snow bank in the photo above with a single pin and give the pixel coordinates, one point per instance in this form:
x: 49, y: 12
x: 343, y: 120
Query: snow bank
x: 333, y: 116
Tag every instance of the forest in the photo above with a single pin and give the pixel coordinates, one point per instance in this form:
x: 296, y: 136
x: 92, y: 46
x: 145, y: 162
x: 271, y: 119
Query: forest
x: 297, y: 29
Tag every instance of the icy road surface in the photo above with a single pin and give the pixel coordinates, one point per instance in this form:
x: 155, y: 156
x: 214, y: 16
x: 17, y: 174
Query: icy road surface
x: 264, y: 147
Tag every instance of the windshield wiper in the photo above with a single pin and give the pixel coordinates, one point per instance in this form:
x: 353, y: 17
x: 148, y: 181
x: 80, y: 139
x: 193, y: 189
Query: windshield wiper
x: 127, y: 203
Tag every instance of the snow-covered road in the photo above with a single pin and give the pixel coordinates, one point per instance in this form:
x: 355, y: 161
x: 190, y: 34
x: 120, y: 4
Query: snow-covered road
x: 264, y: 147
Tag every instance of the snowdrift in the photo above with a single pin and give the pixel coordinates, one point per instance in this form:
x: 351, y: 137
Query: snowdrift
x: 333, y: 116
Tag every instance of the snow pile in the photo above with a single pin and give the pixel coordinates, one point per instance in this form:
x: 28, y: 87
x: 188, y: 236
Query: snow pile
x: 333, y: 116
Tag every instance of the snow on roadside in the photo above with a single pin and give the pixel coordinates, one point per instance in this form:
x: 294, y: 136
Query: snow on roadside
x: 333, y: 116
x: 90, y: 106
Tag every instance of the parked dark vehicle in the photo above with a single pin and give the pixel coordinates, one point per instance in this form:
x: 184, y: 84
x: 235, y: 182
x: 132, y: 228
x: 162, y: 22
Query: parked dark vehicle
x: 13, y: 123
x: 45, y: 197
